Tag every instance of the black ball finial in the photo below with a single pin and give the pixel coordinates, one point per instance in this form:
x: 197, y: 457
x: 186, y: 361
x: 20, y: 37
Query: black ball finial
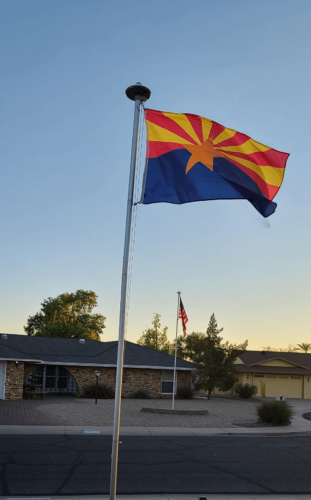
x: 138, y: 91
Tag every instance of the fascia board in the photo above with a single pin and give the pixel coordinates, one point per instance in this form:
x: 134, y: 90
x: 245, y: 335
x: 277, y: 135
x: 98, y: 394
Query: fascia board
x: 36, y: 361
x: 114, y: 366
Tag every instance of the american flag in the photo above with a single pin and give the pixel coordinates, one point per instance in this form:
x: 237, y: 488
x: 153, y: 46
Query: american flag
x: 183, y: 316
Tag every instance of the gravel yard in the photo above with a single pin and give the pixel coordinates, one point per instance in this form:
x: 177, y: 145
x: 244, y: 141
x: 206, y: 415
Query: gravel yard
x: 221, y: 412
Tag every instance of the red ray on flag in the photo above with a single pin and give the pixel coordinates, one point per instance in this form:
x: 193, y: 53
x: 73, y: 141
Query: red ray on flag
x: 183, y: 316
x: 192, y: 158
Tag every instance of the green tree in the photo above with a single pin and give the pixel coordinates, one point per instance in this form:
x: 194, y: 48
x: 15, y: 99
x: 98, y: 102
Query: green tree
x: 229, y: 348
x: 212, y: 332
x: 68, y: 315
x: 186, y: 345
x: 289, y: 348
x: 304, y: 347
x: 154, y: 337
x: 215, y: 360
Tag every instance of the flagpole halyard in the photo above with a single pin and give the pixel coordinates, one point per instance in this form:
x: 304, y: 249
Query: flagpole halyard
x: 175, y: 358
x: 139, y: 94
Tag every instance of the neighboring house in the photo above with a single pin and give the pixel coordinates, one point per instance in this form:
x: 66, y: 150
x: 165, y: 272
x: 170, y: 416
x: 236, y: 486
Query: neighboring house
x: 66, y: 365
x: 285, y: 374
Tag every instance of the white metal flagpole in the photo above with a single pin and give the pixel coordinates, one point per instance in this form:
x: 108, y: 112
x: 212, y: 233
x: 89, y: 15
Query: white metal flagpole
x: 175, y: 358
x: 139, y: 94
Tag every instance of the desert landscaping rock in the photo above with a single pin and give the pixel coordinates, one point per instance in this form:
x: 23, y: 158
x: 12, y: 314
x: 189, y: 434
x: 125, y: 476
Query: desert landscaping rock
x: 174, y: 412
x: 78, y: 411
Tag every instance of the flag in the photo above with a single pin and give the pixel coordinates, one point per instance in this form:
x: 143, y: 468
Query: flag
x: 191, y: 158
x: 183, y: 316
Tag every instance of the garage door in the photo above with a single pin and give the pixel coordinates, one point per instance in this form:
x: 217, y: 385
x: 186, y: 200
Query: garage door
x: 289, y: 386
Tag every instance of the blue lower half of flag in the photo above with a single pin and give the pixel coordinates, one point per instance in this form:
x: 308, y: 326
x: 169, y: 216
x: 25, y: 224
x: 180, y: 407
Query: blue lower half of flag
x: 167, y: 181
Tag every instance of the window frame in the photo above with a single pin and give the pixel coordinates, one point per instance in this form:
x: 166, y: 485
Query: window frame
x: 166, y: 379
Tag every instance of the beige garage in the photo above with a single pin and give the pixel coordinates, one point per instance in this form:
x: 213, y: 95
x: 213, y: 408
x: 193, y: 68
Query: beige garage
x: 285, y: 374
x: 279, y: 385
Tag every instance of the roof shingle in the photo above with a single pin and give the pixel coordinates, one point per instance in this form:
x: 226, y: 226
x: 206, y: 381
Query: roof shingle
x: 92, y: 352
x: 252, y: 362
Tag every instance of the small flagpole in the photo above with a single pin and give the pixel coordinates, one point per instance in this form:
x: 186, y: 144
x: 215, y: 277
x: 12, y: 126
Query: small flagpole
x: 175, y: 358
x: 139, y: 94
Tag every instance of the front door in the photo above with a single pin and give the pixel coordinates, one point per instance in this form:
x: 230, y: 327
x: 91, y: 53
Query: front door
x: 259, y: 381
x: 2, y: 379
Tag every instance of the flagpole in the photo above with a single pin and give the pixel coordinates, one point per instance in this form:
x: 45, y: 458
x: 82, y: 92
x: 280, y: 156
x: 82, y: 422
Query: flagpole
x: 175, y: 358
x: 139, y: 94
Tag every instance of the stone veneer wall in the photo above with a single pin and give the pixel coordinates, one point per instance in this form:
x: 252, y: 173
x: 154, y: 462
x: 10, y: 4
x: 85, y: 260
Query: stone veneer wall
x: 14, y: 380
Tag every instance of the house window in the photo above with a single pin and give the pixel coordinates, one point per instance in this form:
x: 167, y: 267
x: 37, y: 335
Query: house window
x: 39, y: 376
x: 50, y: 377
x: 55, y: 379
x: 62, y: 378
x: 259, y: 375
x: 168, y: 381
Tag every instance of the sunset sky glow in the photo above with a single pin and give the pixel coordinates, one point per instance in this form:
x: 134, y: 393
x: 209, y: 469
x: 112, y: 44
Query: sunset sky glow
x: 66, y: 131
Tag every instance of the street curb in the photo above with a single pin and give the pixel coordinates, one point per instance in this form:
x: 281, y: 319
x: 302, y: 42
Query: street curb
x: 143, y: 431
x: 169, y: 496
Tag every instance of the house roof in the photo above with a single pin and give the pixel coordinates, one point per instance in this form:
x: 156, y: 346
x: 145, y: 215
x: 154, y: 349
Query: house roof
x: 253, y: 362
x: 257, y: 369
x: 64, y: 351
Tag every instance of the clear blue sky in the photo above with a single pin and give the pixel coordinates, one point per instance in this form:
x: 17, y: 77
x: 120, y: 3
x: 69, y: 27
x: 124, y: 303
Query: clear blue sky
x: 65, y: 142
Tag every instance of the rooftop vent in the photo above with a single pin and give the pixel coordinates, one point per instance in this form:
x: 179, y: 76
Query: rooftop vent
x: 81, y: 341
x: 4, y: 336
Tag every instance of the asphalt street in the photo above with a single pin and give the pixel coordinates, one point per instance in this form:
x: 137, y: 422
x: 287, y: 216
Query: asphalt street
x: 70, y: 465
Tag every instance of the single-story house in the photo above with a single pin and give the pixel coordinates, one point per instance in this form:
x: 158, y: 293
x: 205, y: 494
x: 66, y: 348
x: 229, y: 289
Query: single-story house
x: 64, y: 365
x: 285, y: 374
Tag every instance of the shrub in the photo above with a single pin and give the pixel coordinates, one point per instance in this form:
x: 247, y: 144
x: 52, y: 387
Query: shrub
x: 103, y: 391
x: 197, y: 386
x: 140, y: 394
x: 184, y: 392
x: 245, y: 391
x: 274, y: 413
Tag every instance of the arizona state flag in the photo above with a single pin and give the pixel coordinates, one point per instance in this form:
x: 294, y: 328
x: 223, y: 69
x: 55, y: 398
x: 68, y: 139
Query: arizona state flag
x: 191, y: 158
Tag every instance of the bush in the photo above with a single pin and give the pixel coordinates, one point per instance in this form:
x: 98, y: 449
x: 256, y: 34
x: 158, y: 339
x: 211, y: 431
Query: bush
x: 140, y: 394
x: 103, y: 391
x: 245, y: 391
x: 197, y: 386
x: 184, y: 392
x: 274, y: 413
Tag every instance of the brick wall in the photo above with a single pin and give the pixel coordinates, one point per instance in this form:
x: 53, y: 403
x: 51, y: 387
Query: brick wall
x: 29, y: 368
x: 133, y: 378
x: 183, y: 378
x: 14, y: 380
x: 150, y: 380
